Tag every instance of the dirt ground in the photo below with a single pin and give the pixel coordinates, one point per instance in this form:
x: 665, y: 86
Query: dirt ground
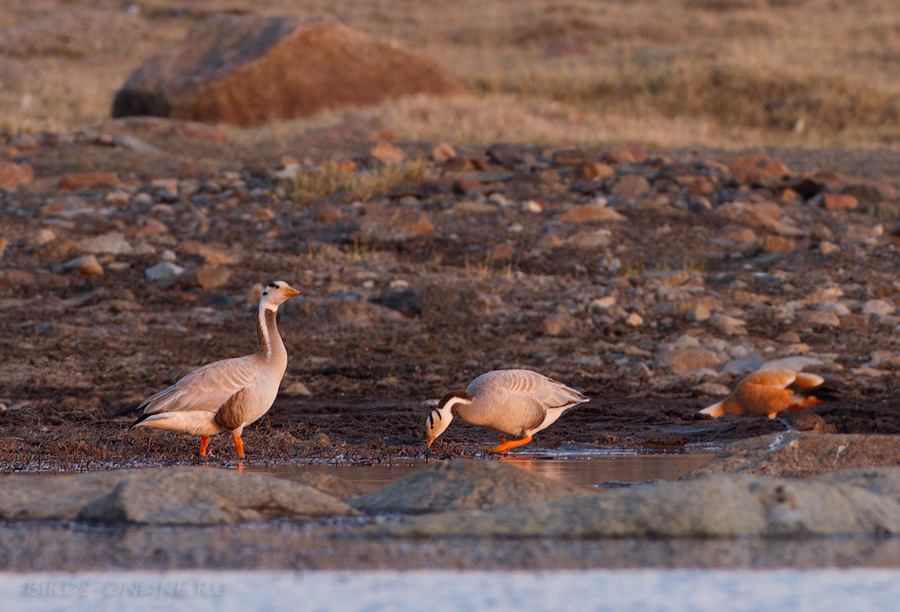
x: 76, y: 348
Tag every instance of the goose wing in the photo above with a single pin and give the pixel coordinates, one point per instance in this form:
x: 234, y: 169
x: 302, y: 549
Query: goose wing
x: 528, y: 393
x: 206, y: 388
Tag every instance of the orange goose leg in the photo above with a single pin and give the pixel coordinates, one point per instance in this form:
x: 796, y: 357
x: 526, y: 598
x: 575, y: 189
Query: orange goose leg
x: 239, y: 445
x: 505, y: 447
x: 204, y: 442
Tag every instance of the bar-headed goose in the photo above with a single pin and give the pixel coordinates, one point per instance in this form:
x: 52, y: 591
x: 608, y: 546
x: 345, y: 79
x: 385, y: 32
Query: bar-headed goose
x: 228, y: 394
x: 515, y: 403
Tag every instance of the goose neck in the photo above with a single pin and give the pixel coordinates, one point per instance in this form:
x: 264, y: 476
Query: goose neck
x: 270, y: 344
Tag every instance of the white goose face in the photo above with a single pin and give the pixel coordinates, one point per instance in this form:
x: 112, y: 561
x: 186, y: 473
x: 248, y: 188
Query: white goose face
x: 439, y: 419
x: 277, y: 293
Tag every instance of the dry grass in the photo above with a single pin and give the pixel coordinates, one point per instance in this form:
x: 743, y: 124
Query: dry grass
x: 332, y: 182
x: 667, y: 73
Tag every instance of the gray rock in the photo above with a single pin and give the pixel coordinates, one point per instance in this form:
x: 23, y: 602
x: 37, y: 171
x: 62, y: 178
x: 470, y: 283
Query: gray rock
x: 451, y: 485
x: 878, y: 307
x: 44, y: 497
x: 795, y: 454
x: 112, y: 243
x: 164, y: 271
x: 684, y: 360
x: 721, y: 505
x: 163, y: 496
x: 878, y: 480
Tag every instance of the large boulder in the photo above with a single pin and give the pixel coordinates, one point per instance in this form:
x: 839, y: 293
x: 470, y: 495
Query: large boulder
x: 795, y: 454
x: 451, y: 485
x: 251, y: 69
x: 162, y: 496
x: 716, y: 506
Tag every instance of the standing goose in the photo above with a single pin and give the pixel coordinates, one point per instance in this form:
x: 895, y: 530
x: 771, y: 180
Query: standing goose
x: 228, y: 394
x: 516, y: 403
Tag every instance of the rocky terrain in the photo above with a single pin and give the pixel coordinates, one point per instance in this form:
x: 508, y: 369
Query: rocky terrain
x: 651, y: 279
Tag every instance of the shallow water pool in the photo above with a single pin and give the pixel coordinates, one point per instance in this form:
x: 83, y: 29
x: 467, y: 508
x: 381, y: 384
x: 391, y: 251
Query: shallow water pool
x: 580, y: 470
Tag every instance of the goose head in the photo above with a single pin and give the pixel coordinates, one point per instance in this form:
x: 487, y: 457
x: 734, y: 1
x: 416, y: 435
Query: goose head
x: 277, y: 293
x: 440, y: 417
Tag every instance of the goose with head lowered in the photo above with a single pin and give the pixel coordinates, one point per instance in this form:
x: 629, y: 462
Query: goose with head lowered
x: 513, y: 403
x: 775, y: 387
x: 225, y: 395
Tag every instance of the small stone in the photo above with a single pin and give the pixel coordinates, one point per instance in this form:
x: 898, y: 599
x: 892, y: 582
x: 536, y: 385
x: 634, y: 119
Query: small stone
x: 684, y: 360
x: 210, y: 276
x: 777, y: 244
x: 82, y: 180
x: 631, y: 187
x: 727, y: 324
x: 819, y: 318
x: 88, y: 265
x: 442, y: 152
x: 142, y: 199
x: 626, y: 153
x: 828, y: 248
x: 42, y: 236
x: 554, y: 326
x: 713, y: 389
x: 700, y: 312
x: 604, y: 303
x: 163, y: 271
x: 118, y: 197
x: 153, y: 227
x: 590, y: 170
x: 736, y: 233
x: 297, y: 388
x: 168, y: 186
x: 839, y: 201
x: 387, y: 153
x: 878, y: 307
x: 503, y: 251
x: 700, y: 185
x: 634, y: 320
x: 789, y: 337
x: 758, y: 169
x: 112, y: 243
x: 532, y: 207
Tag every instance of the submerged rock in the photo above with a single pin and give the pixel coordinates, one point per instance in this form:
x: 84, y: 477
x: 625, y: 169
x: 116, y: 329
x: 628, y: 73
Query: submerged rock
x: 450, y: 485
x: 795, y: 454
x: 163, y: 496
x: 720, y: 505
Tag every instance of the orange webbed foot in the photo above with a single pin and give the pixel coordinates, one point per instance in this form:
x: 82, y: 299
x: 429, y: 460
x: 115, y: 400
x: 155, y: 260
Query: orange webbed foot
x: 505, y: 447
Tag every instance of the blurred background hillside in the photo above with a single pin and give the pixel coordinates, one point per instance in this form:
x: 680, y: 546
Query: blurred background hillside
x: 666, y: 73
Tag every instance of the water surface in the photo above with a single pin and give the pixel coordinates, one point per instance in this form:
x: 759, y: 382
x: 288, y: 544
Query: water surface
x: 580, y: 470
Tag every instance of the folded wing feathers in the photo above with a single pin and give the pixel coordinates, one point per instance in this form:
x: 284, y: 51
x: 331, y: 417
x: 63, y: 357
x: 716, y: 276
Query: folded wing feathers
x: 206, y: 388
x: 546, y: 391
